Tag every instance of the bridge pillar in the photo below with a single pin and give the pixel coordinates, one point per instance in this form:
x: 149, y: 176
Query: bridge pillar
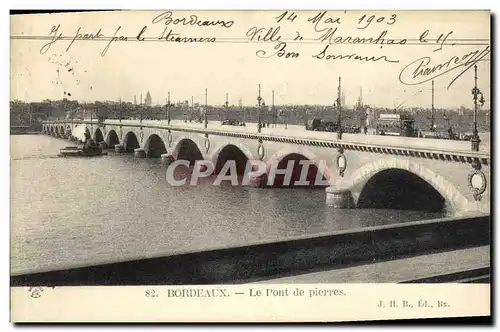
x: 258, y: 181
x: 139, y: 153
x: 339, y: 198
x: 119, y: 148
x: 167, y: 159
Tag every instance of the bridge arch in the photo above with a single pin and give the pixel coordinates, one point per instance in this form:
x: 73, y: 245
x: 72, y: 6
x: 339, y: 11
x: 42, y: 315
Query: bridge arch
x: 130, y: 141
x: 231, y: 151
x: 98, y: 136
x: 112, y: 138
x: 296, y: 154
x: 187, y: 149
x: 408, y: 185
x: 154, y: 146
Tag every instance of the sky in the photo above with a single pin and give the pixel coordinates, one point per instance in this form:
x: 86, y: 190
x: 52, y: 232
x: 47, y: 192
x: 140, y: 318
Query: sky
x: 79, y: 70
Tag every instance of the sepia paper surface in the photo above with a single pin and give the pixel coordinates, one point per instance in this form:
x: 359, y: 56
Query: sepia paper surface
x: 288, y: 303
x: 300, y: 55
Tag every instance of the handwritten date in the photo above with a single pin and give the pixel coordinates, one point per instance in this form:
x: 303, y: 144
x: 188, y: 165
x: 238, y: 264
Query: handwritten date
x: 365, y: 21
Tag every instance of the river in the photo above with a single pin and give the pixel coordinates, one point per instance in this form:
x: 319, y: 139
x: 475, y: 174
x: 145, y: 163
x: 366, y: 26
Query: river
x: 70, y: 212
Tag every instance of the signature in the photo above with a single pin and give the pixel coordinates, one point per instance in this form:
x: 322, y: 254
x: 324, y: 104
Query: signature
x: 423, y: 70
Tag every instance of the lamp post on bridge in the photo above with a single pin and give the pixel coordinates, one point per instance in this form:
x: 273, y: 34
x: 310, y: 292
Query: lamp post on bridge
x: 475, y: 140
x: 339, y: 108
x: 167, y: 109
x: 433, y: 127
x: 206, y: 108
x: 226, y: 105
x: 260, y: 103
x: 120, y: 110
x: 273, y: 111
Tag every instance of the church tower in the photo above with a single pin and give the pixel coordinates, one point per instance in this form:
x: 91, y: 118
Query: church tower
x: 148, y: 100
x: 360, y: 98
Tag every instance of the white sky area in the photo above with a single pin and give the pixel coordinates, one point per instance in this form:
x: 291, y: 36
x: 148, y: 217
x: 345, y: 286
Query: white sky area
x: 231, y: 66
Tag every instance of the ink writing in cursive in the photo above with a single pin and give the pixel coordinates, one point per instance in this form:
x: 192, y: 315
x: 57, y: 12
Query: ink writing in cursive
x: 80, y: 36
x: 167, y: 18
x: 115, y: 38
x: 351, y: 56
x: 423, y: 69
x: 320, y: 18
x: 330, y: 36
x: 53, y: 32
x: 280, y: 52
x: 264, y: 34
x: 169, y: 35
x: 441, y: 39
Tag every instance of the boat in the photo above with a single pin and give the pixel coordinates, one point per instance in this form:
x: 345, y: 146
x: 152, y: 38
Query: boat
x: 81, y: 152
x: 90, y: 149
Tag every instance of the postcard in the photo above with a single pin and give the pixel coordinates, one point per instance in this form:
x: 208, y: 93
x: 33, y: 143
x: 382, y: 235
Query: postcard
x: 250, y: 166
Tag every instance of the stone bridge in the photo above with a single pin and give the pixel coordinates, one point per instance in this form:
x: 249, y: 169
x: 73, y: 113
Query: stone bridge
x: 364, y: 171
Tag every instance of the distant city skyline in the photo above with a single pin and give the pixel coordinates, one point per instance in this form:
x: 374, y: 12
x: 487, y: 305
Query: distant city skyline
x: 185, y: 70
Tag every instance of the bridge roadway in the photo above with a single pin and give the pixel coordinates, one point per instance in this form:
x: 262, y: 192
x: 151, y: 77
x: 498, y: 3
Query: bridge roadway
x: 362, y: 170
x: 298, y: 131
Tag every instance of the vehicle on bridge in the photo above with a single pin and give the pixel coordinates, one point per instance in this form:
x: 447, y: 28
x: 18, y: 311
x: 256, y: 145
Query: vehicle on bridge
x: 396, y: 125
x: 232, y: 122
x: 318, y: 124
